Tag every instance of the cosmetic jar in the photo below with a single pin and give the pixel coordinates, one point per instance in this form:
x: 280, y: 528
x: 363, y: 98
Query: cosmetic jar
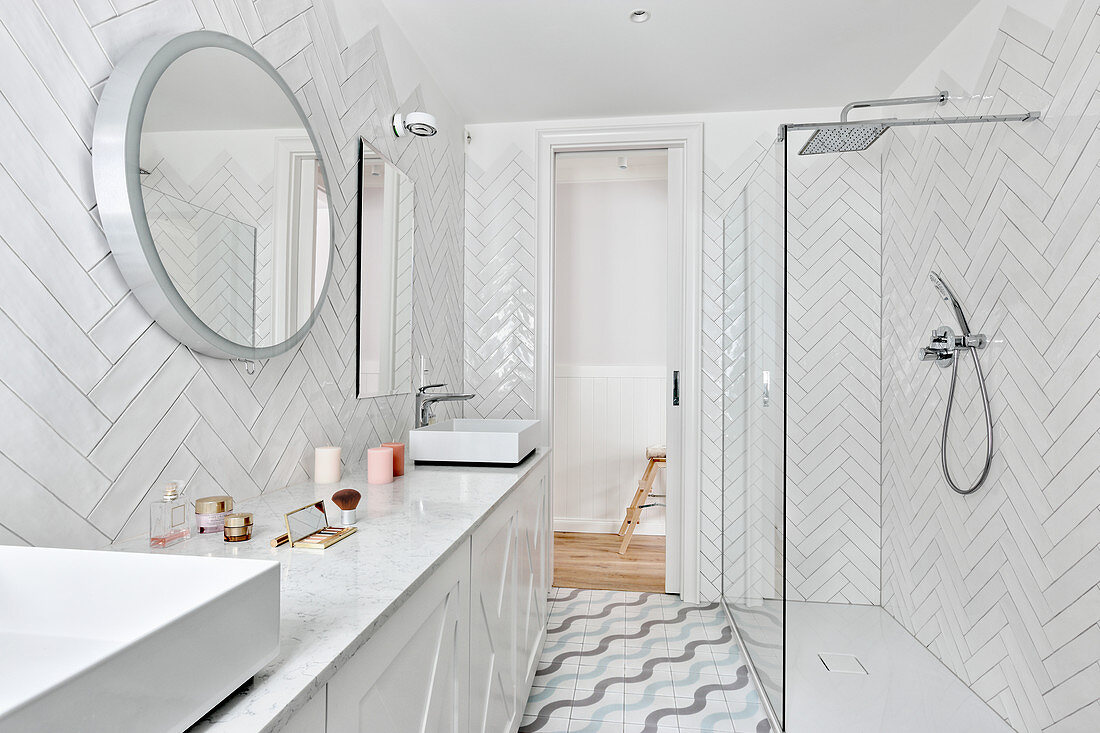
x: 238, y: 527
x: 210, y: 512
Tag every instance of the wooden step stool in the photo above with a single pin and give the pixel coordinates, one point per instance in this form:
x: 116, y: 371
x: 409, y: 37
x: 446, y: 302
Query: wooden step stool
x: 656, y: 456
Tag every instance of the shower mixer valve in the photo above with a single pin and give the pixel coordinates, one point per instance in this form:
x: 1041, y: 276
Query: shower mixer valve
x: 945, y: 343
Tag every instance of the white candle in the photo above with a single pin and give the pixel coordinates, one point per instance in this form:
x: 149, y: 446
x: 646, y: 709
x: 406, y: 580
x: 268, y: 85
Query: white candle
x: 326, y: 464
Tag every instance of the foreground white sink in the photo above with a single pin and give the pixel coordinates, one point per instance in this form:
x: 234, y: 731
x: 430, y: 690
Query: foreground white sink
x: 116, y: 641
x: 504, y: 442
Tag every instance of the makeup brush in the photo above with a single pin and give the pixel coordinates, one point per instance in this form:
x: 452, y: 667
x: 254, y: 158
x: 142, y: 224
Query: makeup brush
x: 347, y: 500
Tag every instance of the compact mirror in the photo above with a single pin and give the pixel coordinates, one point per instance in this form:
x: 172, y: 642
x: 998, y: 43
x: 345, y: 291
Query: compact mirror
x: 385, y: 306
x: 305, y: 522
x: 213, y: 195
x: 308, y: 527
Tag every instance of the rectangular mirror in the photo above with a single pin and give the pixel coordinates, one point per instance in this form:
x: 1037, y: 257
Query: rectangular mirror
x: 386, y: 229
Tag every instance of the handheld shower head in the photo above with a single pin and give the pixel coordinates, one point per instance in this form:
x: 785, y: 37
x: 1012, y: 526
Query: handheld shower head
x: 945, y: 349
x: 951, y: 300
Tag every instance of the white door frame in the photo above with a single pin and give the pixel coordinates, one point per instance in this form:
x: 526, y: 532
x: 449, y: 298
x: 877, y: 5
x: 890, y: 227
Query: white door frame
x: 682, y: 556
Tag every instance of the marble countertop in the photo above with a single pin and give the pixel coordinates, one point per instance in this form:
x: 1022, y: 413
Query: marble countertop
x: 333, y: 600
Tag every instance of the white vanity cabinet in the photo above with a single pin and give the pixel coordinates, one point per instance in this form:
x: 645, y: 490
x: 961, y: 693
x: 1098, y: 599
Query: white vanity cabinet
x: 459, y: 655
x: 509, y: 584
x: 411, y: 675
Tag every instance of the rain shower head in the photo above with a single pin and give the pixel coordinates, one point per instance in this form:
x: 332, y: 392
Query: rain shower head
x: 853, y: 137
x: 951, y: 300
x: 850, y: 138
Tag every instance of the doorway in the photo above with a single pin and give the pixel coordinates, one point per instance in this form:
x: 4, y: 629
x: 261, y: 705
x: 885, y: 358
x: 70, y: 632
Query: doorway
x: 616, y: 297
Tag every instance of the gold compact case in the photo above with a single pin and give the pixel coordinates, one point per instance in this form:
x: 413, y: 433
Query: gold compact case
x: 308, y: 527
x: 238, y: 527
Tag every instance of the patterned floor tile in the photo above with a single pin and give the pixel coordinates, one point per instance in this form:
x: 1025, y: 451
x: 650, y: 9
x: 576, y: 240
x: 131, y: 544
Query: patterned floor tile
x: 658, y: 684
x: 598, y: 705
x: 710, y: 715
x: 637, y: 708
x: 653, y: 644
x: 747, y: 717
x: 545, y: 702
x: 678, y: 637
x: 531, y: 724
x: 640, y: 663
x: 595, y: 726
x: 685, y: 683
x: 729, y: 661
x: 564, y: 676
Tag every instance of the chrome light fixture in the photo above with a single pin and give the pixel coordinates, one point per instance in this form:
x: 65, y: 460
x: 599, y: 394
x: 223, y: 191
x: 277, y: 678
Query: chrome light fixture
x: 420, y: 124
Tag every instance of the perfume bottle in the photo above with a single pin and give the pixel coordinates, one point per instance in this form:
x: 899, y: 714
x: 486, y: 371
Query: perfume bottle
x: 168, y: 518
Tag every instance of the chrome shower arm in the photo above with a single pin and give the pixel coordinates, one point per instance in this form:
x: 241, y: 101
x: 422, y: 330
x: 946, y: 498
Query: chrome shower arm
x: 939, y: 98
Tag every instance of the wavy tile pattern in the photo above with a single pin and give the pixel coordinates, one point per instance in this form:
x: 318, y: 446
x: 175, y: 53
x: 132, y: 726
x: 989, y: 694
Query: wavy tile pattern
x: 99, y: 404
x: 616, y: 662
x: 1002, y: 585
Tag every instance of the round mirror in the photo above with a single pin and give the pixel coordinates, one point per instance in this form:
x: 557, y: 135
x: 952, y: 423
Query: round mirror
x: 213, y: 195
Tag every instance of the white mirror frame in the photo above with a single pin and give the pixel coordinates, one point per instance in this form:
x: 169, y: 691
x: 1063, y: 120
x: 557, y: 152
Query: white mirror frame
x: 116, y: 142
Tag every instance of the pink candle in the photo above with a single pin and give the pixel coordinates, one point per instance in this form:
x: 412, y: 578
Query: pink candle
x: 379, y: 465
x: 398, y: 457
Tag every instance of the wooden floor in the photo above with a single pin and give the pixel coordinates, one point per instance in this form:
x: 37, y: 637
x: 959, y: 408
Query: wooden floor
x: 583, y: 560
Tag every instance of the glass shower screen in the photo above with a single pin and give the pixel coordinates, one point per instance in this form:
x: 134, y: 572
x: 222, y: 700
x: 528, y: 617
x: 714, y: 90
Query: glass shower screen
x: 753, y: 429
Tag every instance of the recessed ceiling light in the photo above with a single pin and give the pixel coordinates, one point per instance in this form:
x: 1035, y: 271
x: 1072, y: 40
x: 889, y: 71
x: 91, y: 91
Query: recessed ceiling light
x: 639, y: 16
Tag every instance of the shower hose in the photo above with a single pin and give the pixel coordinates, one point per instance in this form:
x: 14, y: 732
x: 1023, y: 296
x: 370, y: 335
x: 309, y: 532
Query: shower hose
x: 947, y: 421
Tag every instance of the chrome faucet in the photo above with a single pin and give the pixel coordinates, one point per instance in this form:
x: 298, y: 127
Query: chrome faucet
x: 425, y: 400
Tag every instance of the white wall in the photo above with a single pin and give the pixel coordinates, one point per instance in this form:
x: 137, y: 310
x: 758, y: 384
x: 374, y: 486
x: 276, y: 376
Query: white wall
x: 100, y: 406
x: 500, y: 274
x: 609, y: 270
x: 1001, y: 585
x: 610, y: 321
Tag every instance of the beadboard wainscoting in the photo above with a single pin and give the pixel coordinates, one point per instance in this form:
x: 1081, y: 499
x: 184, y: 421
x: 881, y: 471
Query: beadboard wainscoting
x: 605, y: 417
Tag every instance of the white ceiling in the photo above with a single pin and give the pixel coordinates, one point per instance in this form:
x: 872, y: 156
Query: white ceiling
x: 217, y: 89
x: 510, y: 60
x: 603, y: 165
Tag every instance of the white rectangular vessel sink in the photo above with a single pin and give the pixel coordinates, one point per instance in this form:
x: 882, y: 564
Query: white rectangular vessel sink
x: 119, y: 641
x: 497, y: 442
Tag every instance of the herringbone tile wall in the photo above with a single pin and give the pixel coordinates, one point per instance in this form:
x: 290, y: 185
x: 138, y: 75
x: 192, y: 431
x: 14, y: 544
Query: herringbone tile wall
x: 832, y: 481
x: 500, y: 286
x: 1002, y: 585
x: 500, y: 336
x: 726, y: 323
x: 99, y: 404
x: 752, y: 434
x: 214, y: 235
x: 833, y: 297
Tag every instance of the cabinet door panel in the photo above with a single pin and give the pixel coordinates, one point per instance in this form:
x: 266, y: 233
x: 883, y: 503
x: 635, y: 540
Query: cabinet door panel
x: 493, y: 693
x: 410, y: 677
x: 311, y: 718
x: 533, y: 575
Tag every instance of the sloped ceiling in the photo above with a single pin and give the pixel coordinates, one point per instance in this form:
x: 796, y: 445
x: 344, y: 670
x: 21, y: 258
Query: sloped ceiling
x: 509, y: 60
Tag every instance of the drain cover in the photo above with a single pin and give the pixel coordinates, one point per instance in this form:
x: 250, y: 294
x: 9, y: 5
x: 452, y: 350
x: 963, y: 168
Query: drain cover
x: 842, y: 663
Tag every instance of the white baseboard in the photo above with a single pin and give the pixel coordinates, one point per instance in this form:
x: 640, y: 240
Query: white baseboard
x: 605, y: 526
